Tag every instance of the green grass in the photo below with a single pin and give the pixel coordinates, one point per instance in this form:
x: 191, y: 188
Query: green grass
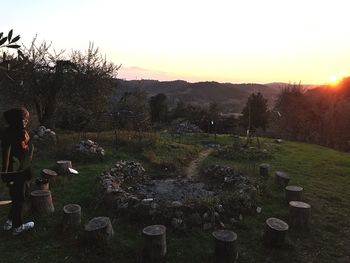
x: 324, y: 174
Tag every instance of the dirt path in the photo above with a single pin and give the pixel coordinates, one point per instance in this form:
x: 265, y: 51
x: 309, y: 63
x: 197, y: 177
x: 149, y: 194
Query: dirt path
x: 193, y: 169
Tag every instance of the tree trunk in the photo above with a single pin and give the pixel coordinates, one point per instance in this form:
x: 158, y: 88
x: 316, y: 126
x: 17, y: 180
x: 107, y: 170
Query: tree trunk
x: 49, y: 175
x: 63, y: 165
x: 100, y: 230
x: 282, y: 179
x: 71, y: 216
x: 42, y: 201
x: 225, y: 247
x: 293, y: 193
x: 264, y: 170
x: 275, y: 232
x: 154, y: 238
x: 299, y: 215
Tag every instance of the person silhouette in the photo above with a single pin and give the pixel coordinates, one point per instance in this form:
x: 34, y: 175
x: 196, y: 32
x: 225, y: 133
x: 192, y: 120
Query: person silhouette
x: 17, y: 153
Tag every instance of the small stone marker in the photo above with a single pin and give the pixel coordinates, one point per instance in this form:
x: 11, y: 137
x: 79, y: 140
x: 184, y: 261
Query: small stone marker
x: 42, y: 201
x: 71, y: 216
x: 225, y: 246
x: 293, y: 193
x: 299, y: 215
x: 154, y: 243
x: 282, y: 179
x: 264, y: 169
x: 100, y: 230
x: 275, y: 232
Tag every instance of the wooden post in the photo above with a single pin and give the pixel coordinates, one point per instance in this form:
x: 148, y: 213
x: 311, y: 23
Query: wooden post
x: 63, y: 165
x: 71, y: 216
x: 154, y: 240
x: 264, y: 169
x: 49, y: 175
x: 275, y: 232
x: 293, y: 193
x: 282, y: 179
x: 299, y: 215
x: 42, y: 201
x: 225, y: 247
x: 100, y: 230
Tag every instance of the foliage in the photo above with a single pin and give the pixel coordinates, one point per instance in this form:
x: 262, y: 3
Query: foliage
x: 49, y: 82
x: 11, y: 41
x: 321, y: 115
x: 159, y: 108
x: 255, y: 112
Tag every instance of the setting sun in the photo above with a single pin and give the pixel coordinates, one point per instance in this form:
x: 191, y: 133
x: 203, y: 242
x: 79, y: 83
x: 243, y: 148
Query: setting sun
x: 333, y: 80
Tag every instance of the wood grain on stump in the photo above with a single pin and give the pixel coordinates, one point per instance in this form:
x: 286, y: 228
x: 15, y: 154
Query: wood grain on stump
x: 299, y: 215
x: 264, y: 169
x: 293, y: 193
x: 99, y: 230
x: 63, y: 165
x: 42, y: 201
x: 154, y: 243
x: 275, y: 232
x: 282, y: 179
x: 48, y: 174
x: 225, y: 247
x: 71, y: 216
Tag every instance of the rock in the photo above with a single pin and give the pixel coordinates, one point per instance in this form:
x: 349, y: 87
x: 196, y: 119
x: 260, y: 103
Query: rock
x: 185, y: 127
x: 89, y: 147
x: 176, y: 204
x: 258, y: 210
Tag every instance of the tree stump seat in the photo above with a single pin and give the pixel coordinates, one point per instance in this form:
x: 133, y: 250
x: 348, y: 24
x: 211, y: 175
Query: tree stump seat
x: 299, y: 215
x: 71, y: 216
x: 49, y: 175
x: 154, y: 243
x: 99, y: 230
x: 282, y: 179
x: 225, y: 246
x: 293, y: 193
x: 42, y: 201
x: 275, y: 232
x: 264, y: 169
x: 63, y: 166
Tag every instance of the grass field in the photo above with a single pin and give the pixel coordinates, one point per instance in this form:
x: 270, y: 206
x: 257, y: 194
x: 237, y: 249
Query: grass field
x: 324, y: 174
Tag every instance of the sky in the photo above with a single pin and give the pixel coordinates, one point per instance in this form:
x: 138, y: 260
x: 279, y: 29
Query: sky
x: 237, y: 41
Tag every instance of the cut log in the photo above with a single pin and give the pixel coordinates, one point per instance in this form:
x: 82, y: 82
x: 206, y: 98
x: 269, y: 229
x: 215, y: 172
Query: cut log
x: 42, y: 201
x: 40, y: 184
x: 299, y: 215
x: 63, y: 166
x: 154, y: 238
x: 71, y: 216
x: 99, y: 230
x: 264, y: 169
x: 275, y: 232
x: 293, y: 193
x: 282, y: 179
x: 225, y: 246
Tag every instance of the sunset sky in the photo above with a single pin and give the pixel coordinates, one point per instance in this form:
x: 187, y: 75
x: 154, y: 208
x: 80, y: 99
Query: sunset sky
x: 223, y: 40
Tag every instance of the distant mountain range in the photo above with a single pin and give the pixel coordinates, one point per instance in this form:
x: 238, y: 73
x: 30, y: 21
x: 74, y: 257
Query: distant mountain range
x: 229, y: 95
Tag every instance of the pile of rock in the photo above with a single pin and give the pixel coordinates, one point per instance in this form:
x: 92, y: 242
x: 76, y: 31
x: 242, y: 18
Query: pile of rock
x: 240, y: 191
x: 186, y: 127
x: 89, y: 147
x: 45, y: 135
x: 114, y: 183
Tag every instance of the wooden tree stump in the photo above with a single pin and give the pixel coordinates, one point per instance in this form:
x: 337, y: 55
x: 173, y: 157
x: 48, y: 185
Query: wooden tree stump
x: 264, y: 169
x: 63, y: 165
x: 275, y: 232
x: 225, y: 247
x: 49, y: 175
x: 293, y: 193
x: 154, y: 238
x: 299, y: 215
x: 42, y: 201
x: 40, y: 184
x: 282, y: 179
x: 99, y: 230
x: 71, y: 216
